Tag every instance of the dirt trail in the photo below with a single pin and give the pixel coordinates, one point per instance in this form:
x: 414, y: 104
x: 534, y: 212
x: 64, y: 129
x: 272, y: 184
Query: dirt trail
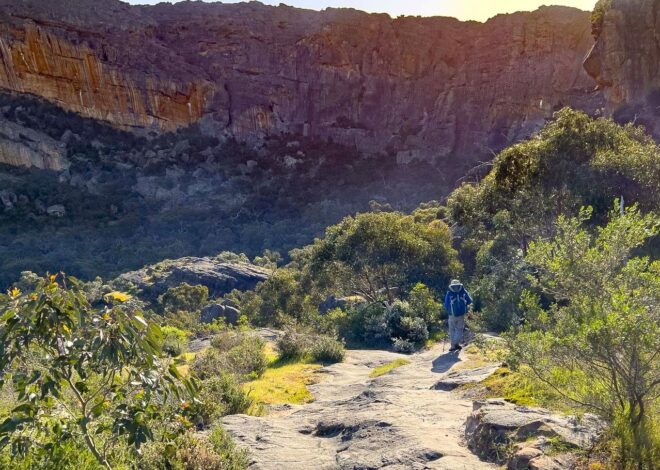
x: 396, y: 421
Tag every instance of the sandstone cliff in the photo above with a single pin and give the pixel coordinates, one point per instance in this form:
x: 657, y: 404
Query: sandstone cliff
x: 625, y: 60
x: 20, y: 146
x: 415, y: 88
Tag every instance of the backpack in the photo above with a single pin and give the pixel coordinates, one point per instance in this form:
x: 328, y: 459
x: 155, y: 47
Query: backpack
x: 458, y: 303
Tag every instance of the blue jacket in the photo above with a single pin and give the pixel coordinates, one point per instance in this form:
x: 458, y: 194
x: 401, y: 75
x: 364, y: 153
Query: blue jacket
x: 456, y: 303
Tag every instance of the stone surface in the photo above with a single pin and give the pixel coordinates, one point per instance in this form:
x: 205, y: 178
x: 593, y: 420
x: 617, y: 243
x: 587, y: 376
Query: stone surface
x: 56, y: 210
x: 21, y: 146
x: 494, y: 425
x: 215, y: 311
x: 395, y: 421
x: 220, y: 277
x: 414, y: 88
x: 522, y: 458
x: 467, y: 376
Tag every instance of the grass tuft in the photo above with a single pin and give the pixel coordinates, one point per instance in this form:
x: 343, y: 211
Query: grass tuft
x: 390, y: 366
x: 284, y: 382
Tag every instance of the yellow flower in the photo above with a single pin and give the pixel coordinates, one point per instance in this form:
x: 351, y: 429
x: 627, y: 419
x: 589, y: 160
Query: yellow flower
x: 117, y: 296
x: 15, y: 292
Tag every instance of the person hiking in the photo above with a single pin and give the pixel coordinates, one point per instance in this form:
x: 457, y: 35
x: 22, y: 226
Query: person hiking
x: 456, y: 305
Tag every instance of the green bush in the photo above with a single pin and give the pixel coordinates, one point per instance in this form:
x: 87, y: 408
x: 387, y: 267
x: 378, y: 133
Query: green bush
x: 220, y: 396
x: 236, y: 353
x: 596, y: 340
x: 184, y: 297
x: 327, y: 349
x: 68, y: 454
x: 191, y: 452
x: 175, y: 341
x: 209, y: 363
x: 413, y: 329
x: 404, y: 346
x: 319, y: 348
x: 424, y: 304
x: 293, y: 345
x: 248, y: 358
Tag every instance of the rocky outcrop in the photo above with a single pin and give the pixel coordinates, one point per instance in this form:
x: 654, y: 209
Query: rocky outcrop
x: 625, y: 60
x: 501, y: 432
x: 396, y: 421
x: 218, y: 276
x: 217, y: 311
x: 21, y: 146
x: 413, y: 88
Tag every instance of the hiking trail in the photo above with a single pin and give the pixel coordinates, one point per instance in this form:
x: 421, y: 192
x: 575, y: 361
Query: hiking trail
x: 395, y: 421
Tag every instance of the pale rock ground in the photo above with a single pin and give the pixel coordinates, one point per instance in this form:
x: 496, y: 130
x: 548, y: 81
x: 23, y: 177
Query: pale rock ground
x: 396, y: 421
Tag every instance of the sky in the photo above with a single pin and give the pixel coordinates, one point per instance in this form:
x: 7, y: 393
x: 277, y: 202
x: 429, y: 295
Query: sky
x: 479, y: 10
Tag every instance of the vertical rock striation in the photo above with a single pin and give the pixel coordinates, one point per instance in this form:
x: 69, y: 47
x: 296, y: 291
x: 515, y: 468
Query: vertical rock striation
x: 434, y: 89
x: 625, y: 60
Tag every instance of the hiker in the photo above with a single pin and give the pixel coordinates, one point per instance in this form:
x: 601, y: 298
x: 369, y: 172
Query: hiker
x: 456, y: 304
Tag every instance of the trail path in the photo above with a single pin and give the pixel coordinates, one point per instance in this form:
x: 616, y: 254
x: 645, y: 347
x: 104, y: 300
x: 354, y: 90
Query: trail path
x: 396, y: 421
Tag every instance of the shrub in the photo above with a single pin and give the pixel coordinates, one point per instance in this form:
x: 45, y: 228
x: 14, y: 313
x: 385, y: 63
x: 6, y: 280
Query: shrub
x: 175, y: 341
x: 293, y: 345
x: 209, y: 363
x: 319, y: 348
x: 226, y: 340
x: 220, y: 396
x: 327, y: 349
x: 424, y: 304
x: 596, y: 341
x: 224, y: 446
x: 103, y: 358
x: 190, y: 452
x: 184, y: 297
x: 413, y: 329
x: 404, y: 346
x: 371, y: 324
x: 248, y: 358
x: 241, y: 354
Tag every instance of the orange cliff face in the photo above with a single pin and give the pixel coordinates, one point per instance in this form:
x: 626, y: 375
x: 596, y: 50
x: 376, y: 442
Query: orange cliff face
x: 39, y: 62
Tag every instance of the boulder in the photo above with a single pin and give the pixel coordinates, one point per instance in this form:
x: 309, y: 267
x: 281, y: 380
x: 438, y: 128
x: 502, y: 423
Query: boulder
x: 522, y: 458
x: 56, y: 210
x: 495, y: 425
x: 219, y: 277
x: 8, y: 199
x: 216, y: 311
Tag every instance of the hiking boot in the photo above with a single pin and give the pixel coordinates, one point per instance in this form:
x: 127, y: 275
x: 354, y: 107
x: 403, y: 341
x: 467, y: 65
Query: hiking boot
x: 453, y: 348
x: 459, y: 347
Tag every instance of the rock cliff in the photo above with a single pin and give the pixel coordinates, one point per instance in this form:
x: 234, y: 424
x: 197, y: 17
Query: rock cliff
x: 625, y: 59
x: 414, y: 88
x: 21, y: 146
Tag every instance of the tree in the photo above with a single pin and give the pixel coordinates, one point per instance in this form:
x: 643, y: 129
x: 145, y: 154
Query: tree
x: 184, y: 297
x: 592, y: 327
x: 375, y: 255
x: 82, y: 373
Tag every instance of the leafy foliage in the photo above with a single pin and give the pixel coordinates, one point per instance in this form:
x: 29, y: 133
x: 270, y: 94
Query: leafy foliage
x: 184, y: 297
x: 78, y: 371
x: 595, y: 336
x: 376, y: 255
x: 574, y: 161
x: 235, y: 353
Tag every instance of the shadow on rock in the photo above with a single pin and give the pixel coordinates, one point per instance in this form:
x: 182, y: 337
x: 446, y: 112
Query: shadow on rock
x: 442, y: 364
